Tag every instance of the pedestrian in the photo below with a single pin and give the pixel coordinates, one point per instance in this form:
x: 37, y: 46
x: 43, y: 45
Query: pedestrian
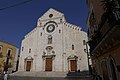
x: 5, y: 75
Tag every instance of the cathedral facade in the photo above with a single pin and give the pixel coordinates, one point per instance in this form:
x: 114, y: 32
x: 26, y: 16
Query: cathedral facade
x: 54, y: 45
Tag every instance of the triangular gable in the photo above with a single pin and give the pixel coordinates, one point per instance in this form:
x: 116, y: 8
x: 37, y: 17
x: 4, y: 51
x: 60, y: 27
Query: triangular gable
x: 53, y: 12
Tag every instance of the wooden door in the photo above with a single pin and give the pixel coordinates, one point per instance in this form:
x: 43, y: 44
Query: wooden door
x: 48, y: 65
x: 28, y: 66
x: 73, y: 65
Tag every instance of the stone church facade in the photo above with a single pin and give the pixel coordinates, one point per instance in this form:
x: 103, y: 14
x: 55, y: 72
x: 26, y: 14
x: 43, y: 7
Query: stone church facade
x: 54, y: 45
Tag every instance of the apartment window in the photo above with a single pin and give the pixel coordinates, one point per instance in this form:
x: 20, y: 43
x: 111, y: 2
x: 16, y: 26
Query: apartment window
x: 84, y: 42
x: 29, y: 50
x: 49, y: 39
x: 72, y: 47
x: 8, y: 55
x: 9, y: 52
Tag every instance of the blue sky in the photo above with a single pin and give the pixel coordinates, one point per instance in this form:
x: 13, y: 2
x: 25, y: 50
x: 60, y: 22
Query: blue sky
x: 17, y: 21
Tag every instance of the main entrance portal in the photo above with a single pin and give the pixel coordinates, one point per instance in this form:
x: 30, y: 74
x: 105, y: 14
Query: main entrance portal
x: 48, y: 64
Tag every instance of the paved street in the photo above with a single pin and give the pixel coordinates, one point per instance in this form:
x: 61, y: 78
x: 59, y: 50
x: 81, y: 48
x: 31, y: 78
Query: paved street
x: 45, y: 76
x: 48, y: 78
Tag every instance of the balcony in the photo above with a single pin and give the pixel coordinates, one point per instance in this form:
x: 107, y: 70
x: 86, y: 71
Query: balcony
x: 109, y: 21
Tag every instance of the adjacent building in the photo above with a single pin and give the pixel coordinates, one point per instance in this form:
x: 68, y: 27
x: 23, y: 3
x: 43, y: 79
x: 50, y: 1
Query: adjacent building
x: 104, y: 37
x: 54, y: 45
x: 8, y: 57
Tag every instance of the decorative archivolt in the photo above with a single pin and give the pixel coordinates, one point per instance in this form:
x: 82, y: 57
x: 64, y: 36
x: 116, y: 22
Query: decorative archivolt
x: 29, y: 58
x: 72, y: 57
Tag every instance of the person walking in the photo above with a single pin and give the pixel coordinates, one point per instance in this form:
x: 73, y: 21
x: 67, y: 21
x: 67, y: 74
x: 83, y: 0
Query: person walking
x: 5, y: 76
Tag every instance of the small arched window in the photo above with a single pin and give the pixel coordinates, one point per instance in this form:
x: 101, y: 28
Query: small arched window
x: 40, y: 24
x: 84, y: 42
x: 41, y: 34
x: 60, y: 20
x: 72, y: 47
x: 59, y: 31
x: 29, y: 50
x: 49, y: 39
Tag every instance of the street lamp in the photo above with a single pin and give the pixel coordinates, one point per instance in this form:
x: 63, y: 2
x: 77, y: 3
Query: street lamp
x: 88, y: 56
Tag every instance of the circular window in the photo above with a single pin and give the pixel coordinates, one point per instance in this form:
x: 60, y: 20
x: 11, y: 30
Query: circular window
x: 51, y: 15
x: 50, y: 28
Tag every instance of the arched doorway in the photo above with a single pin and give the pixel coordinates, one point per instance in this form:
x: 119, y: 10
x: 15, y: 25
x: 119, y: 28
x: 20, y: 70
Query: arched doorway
x: 113, y: 69
x: 105, y: 70
x: 28, y: 63
x: 72, y: 63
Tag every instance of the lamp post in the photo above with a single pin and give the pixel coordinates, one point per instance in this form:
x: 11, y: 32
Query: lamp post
x: 88, y: 56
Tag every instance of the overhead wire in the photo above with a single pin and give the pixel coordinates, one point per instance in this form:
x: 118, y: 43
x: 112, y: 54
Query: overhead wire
x: 21, y: 3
